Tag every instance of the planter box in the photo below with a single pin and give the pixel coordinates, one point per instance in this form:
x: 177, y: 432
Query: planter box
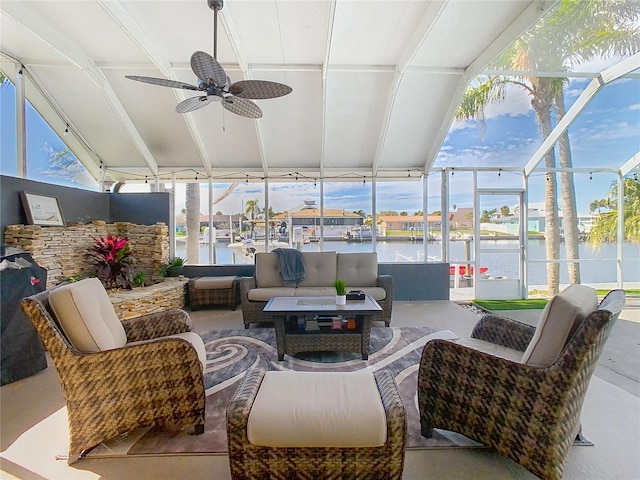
x: 154, y: 298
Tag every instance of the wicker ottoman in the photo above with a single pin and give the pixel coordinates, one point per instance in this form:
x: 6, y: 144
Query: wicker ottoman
x: 382, y: 458
x: 214, y: 291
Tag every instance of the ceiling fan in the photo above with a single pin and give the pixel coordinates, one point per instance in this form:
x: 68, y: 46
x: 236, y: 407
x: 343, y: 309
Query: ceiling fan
x: 214, y: 82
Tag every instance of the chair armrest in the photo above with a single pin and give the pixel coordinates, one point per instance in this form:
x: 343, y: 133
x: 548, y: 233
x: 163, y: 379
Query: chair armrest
x: 155, y: 325
x: 394, y: 408
x: 240, y: 406
x: 503, y: 331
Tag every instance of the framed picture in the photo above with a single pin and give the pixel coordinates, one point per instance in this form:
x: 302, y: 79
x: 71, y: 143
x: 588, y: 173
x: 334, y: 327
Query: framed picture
x: 41, y: 209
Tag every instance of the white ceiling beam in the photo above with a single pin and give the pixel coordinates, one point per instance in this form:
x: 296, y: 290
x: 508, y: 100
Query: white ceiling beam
x: 610, y: 74
x: 323, y: 84
x: 520, y: 25
x: 24, y: 14
x: 232, y: 35
x: 427, y: 23
x: 630, y: 165
x: 130, y: 27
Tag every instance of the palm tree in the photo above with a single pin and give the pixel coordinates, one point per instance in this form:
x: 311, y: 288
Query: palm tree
x: 577, y: 31
x: 605, y: 228
x: 251, y: 210
x: 193, y: 222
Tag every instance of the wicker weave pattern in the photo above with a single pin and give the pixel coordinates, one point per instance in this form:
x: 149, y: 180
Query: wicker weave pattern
x: 221, y: 296
x: 503, y: 331
x: 528, y: 414
x: 155, y: 382
x: 253, y: 462
x: 252, y: 311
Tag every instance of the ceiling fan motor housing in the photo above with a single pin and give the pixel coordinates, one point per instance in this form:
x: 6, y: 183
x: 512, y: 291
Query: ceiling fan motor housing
x: 215, y: 4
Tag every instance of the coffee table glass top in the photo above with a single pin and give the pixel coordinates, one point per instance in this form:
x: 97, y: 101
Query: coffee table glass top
x: 320, y: 304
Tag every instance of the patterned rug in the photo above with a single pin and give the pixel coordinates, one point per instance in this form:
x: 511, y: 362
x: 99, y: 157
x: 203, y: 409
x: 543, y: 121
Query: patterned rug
x: 231, y: 352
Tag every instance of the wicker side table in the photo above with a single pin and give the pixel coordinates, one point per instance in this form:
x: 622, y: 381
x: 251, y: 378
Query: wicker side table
x: 248, y: 461
x: 214, y: 291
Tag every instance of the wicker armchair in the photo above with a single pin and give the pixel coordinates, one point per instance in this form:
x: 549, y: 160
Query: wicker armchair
x: 528, y: 414
x: 156, y: 381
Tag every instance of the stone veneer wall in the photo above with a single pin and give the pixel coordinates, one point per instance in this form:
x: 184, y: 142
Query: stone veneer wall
x: 63, y: 251
x: 172, y: 292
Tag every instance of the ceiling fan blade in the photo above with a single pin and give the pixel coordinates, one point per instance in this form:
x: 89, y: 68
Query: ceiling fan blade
x: 208, y: 69
x: 241, y: 106
x: 163, y: 82
x: 193, y: 103
x: 259, y: 89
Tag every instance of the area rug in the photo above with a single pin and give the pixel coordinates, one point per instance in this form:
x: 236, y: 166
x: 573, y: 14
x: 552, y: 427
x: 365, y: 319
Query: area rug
x: 231, y: 352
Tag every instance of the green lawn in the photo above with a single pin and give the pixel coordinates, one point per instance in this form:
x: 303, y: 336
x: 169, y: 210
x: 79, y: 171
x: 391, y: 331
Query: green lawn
x: 533, y: 303
x: 528, y: 304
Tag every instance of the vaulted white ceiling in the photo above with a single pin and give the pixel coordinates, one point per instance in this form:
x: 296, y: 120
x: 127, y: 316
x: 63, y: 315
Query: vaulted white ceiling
x: 375, y: 83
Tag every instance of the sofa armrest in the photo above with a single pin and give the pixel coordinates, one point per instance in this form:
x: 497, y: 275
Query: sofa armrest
x: 246, y: 284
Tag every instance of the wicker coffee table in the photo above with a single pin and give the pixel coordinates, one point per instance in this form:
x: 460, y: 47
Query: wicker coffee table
x: 290, y: 315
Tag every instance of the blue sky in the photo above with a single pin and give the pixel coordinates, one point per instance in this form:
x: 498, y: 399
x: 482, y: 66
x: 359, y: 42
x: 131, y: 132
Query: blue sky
x: 605, y: 135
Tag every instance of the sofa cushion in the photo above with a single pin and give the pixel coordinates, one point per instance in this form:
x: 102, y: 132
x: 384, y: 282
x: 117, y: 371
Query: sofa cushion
x: 358, y: 269
x: 559, y: 318
x: 315, y: 291
x: 320, y: 269
x: 265, y: 294
x: 328, y: 409
x: 87, y: 317
x: 268, y: 270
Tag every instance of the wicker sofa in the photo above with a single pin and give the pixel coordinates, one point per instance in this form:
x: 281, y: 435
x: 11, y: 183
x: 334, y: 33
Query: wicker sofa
x: 359, y: 270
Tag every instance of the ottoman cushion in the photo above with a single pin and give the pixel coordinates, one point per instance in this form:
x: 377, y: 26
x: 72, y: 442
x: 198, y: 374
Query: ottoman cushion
x: 317, y: 409
x: 213, y: 283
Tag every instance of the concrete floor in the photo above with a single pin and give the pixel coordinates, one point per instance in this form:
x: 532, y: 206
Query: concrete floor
x: 34, y: 427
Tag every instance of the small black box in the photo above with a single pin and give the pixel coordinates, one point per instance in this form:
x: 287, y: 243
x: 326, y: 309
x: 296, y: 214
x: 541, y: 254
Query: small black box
x: 355, y: 295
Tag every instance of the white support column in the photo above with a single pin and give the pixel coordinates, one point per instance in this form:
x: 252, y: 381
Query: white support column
x: 374, y: 224
x: 425, y: 217
x: 266, y: 214
x: 620, y: 239
x: 524, y: 221
x: 21, y: 144
x: 321, y: 214
x: 212, y: 246
x: 444, y: 216
x: 172, y: 218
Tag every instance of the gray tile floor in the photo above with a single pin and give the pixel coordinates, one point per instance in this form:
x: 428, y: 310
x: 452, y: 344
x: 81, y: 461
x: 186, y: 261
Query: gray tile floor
x: 34, y: 428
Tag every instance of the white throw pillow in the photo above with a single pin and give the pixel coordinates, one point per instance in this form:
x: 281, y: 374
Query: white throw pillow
x: 87, y: 317
x: 558, y: 319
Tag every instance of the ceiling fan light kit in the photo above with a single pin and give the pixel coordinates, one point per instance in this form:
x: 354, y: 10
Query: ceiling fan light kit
x: 213, y: 81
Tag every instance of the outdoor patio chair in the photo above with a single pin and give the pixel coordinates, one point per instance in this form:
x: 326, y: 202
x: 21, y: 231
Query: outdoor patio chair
x: 118, y: 376
x: 524, y: 406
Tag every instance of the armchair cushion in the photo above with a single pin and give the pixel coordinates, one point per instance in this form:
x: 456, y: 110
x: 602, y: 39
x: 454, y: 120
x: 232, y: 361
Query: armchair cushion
x: 559, y: 318
x: 87, y: 317
x: 196, y: 342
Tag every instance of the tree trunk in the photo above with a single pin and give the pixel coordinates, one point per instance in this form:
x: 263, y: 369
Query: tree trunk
x: 193, y: 223
x: 542, y: 103
x: 568, y: 198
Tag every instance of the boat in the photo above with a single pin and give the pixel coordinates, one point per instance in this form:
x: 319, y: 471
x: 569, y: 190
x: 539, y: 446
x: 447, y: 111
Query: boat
x: 244, y: 250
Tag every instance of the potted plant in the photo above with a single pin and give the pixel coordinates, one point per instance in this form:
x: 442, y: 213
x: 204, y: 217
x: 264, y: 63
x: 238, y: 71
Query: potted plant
x: 341, y: 291
x: 114, y: 260
x: 174, y: 267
